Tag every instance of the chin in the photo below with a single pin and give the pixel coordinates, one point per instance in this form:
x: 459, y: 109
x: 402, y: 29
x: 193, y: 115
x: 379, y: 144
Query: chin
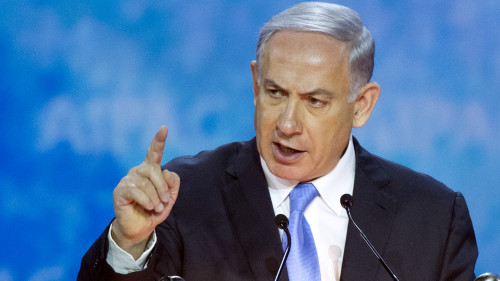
x: 288, y: 173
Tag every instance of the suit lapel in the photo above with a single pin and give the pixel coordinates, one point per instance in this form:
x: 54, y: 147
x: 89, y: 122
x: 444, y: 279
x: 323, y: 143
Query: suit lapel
x: 248, y: 204
x: 374, y: 211
x: 249, y: 208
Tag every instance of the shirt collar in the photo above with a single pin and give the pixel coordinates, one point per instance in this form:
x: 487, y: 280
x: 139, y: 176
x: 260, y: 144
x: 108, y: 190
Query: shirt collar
x: 331, y: 186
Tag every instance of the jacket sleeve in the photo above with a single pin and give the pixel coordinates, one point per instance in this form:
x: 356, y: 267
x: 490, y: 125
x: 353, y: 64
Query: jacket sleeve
x: 461, y: 248
x: 163, y: 261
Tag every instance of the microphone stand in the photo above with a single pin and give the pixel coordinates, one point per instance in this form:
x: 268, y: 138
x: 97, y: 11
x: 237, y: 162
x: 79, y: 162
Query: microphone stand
x: 379, y: 257
x: 282, y: 222
x: 346, y: 201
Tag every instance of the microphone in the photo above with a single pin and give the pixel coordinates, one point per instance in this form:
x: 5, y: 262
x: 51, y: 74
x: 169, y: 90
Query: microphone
x: 488, y: 276
x: 171, y: 278
x: 347, y: 201
x: 282, y: 222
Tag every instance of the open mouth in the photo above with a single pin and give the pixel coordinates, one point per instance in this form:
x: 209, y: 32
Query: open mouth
x: 286, y: 155
x: 287, y: 150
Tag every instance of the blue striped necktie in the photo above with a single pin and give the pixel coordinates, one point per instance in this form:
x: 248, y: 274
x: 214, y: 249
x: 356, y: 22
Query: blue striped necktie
x: 302, y: 263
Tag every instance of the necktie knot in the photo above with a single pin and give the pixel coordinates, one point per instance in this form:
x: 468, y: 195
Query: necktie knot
x: 301, y: 196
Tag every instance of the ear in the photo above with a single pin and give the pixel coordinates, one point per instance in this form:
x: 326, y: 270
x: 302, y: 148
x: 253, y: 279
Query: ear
x: 364, y: 104
x: 255, y: 79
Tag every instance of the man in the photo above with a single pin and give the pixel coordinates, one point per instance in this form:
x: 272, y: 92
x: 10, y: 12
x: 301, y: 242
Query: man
x: 211, y: 216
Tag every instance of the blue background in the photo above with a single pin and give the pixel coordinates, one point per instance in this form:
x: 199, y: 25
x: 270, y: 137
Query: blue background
x: 86, y: 84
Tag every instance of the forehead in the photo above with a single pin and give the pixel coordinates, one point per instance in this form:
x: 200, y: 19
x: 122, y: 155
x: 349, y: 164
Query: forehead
x: 299, y: 47
x: 305, y: 58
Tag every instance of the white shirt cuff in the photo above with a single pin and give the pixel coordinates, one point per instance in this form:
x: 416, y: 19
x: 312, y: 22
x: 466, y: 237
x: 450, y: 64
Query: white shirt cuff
x: 123, y: 262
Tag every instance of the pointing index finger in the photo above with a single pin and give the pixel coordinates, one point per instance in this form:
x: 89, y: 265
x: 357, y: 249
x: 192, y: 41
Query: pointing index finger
x: 155, y: 150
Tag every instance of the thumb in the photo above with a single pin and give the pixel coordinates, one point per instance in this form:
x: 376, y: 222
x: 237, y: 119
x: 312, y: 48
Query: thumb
x: 173, y: 182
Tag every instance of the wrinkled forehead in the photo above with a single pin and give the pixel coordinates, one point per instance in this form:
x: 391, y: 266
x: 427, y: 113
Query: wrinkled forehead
x: 310, y: 50
x: 300, y: 39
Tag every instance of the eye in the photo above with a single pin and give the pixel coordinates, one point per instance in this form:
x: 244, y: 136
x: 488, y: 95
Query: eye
x: 275, y: 93
x: 316, y: 102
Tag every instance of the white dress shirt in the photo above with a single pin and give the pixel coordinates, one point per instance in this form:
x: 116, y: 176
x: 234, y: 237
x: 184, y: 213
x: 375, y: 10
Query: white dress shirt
x: 123, y: 262
x: 326, y: 217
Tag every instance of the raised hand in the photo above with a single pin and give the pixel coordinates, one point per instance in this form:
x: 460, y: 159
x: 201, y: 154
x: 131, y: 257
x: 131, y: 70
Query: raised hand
x: 143, y: 199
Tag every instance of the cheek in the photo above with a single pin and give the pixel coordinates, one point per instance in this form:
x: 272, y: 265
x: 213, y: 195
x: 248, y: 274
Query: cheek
x: 261, y: 124
x: 329, y: 136
x: 264, y: 119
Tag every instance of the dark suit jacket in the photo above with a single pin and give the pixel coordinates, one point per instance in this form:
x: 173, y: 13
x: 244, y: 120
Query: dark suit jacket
x: 222, y: 226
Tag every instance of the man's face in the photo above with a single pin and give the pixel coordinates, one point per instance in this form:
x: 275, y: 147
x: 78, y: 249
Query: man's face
x: 303, y: 119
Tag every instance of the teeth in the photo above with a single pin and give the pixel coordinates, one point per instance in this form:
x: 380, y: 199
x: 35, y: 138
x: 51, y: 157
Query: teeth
x: 287, y: 150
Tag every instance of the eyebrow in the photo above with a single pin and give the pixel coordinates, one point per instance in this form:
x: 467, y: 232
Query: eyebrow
x: 315, y: 92
x: 269, y: 82
x: 320, y: 92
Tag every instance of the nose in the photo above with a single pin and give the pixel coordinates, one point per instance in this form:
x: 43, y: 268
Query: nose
x: 289, y: 122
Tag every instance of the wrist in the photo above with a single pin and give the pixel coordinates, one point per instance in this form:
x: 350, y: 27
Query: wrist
x: 134, y: 247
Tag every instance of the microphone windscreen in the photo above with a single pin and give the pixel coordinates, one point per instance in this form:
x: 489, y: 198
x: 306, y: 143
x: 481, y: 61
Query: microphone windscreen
x: 488, y: 276
x: 281, y: 221
x: 346, y: 200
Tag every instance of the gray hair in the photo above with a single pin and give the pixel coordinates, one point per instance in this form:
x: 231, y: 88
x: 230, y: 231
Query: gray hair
x: 334, y: 20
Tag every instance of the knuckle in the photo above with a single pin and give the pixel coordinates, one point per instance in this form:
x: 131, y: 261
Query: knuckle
x: 141, y: 184
x: 134, y: 170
